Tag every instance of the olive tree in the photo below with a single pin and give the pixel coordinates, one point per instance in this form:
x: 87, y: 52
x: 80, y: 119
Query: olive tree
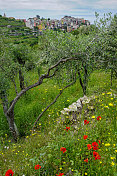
x: 60, y: 45
x: 107, y: 37
x: 8, y: 69
x: 62, y: 56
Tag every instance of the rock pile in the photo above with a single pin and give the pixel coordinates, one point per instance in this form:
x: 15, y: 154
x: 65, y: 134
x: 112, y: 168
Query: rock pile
x: 74, y: 110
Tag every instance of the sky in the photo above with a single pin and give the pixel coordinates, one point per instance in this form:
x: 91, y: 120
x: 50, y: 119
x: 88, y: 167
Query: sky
x: 56, y: 9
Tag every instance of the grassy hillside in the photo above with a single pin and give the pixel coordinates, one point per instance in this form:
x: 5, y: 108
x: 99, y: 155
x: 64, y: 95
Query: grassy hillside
x: 4, y: 21
x: 70, y: 144
x: 43, y: 146
x: 17, y: 32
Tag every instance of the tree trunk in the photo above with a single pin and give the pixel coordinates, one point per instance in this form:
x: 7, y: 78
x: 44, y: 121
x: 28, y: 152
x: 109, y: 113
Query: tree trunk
x: 21, y: 79
x: 10, y: 116
x: 80, y: 79
x: 12, y: 125
x: 84, y: 90
x: 82, y: 83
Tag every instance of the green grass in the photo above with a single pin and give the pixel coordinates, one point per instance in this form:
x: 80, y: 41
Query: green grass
x: 43, y: 146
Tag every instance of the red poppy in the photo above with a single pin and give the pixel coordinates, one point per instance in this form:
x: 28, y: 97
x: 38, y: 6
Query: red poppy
x: 86, y: 160
x: 67, y: 128
x: 99, y: 141
x: 85, y: 136
x: 63, y: 149
x: 99, y: 117
x: 37, y: 167
x: 96, y: 155
x: 89, y: 146
x: 95, y: 145
x: 60, y: 174
x: 86, y: 122
x: 9, y: 173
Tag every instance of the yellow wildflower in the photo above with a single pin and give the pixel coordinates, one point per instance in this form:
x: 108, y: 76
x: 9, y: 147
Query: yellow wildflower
x: 100, y: 162
x: 93, y: 117
x: 112, y: 163
x: 112, y: 157
x: 103, y: 93
x: 111, y: 98
x: 115, y: 150
x: 110, y: 104
x: 107, y: 145
x: 106, y: 107
x: 85, y: 173
x: 109, y: 93
x: 114, y: 145
x: 60, y: 168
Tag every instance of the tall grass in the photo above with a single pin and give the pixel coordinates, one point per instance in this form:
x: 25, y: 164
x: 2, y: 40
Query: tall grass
x: 43, y: 146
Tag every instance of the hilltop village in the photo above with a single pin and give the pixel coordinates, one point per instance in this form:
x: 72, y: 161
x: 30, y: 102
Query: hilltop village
x: 37, y: 24
x: 67, y: 23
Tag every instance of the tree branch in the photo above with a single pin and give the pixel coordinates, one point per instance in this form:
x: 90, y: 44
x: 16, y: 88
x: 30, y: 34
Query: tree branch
x: 61, y: 91
x: 42, y: 77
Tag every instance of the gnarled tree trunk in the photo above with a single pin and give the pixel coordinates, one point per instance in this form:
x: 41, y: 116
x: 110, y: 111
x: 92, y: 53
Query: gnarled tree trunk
x: 10, y: 117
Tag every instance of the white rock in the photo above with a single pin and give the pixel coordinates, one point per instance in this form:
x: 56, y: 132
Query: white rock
x: 79, y: 105
x: 73, y: 107
x: 64, y: 112
x: 84, y: 98
x: 67, y: 109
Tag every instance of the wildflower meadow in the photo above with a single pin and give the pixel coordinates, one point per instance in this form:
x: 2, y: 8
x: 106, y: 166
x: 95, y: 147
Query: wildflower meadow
x: 58, y: 102
x: 64, y: 149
